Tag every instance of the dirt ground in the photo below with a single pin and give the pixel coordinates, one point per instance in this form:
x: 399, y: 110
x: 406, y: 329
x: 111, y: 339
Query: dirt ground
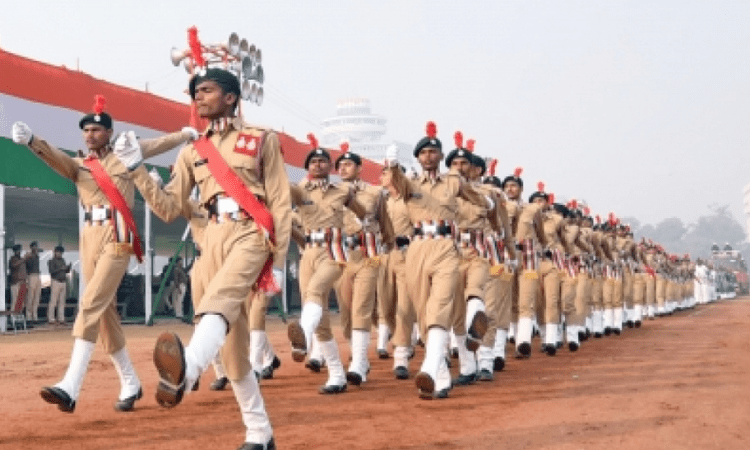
x: 680, y: 382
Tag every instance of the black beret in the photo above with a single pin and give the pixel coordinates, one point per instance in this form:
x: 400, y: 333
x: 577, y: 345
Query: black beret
x: 60, y: 249
x: 353, y: 157
x: 494, y: 181
x: 17, y: 247
x: 33, y: 244
x: 102, y: 119
x: 538, y: 194
x: 228, y: 81
x: 562, y: 209
x: 478, y: 161
x: 427, y: 142
x: 513, y: 178
x: 317, y: 152
x: 458, y: 153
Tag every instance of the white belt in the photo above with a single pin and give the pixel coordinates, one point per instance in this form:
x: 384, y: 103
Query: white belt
x: 227, y: 205
x: 99, y: 213
x: 428, y: 228
x: 317, y: 236
x: 466, y: 237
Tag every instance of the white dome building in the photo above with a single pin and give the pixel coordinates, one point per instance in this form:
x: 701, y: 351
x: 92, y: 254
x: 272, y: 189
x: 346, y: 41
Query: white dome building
x: 365, y: 131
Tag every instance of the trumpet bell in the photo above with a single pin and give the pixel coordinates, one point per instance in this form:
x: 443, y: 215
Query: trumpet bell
x: 177, y: 55
x: 233, y: 44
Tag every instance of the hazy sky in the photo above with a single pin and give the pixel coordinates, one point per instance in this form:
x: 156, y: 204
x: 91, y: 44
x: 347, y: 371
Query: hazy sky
x: 639, y: 107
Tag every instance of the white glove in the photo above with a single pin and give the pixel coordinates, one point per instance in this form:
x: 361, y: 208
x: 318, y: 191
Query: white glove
x: 156, y: 177
x: 192, y: 132
x: 278, y: 278
x: 21, y: 133
x: 128, y: 150
x: 490, y: 203
x: 391, y: 156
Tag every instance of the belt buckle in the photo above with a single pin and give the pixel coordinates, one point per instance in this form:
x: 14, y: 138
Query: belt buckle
x: 121, y: 248
x: 98, y: 214
x: 227, y: 205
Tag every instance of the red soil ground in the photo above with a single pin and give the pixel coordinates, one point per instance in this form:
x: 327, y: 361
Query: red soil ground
x: 680, y: 382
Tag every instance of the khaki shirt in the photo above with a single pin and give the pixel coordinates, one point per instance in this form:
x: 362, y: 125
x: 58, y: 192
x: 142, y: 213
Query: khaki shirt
x: 32, y: 264
x: 526, y: 227
x: 321, y: 204
x: 57, y: 269
x: 376, y: 220
x: 552, y: 223
x: 17, y: 269
x: 437, y: 198
x: 399, y: 215
x: 258, y: 163
x: 88, y: 191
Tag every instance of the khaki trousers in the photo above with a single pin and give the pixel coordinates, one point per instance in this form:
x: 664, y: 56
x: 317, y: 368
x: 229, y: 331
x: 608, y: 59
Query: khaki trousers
x: 661, y: 291
x: 232, y: 256
x: 597, y: 300
x: 56, y: 301
x: 432, y: 265
x: 650, y: 290
x: 627, y: 289
x: 317, y: 275
x: 103, y: 267
x: 548, y: 307
x: 387, y: 288
x: 639, y: 289
x: 406, y: 313
x: 498, y: 303
x: 472, y: 282
x: 355, y: 290
x: 34, y: 293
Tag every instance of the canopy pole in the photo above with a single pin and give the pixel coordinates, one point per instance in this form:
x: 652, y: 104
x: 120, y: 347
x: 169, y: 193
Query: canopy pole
x: 3, y: 270
x: 149, y: 269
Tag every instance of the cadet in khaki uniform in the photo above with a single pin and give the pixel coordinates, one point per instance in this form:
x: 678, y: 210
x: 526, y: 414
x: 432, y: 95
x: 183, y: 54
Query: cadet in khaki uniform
x: 237, y: 250
x: 395, y: 290
x: 320, y: 205
x: 551, y: 270
x: 499, y: 293
x: 585, y: 266
x: 357, y: 286
x: 33, y: 282
x: 611, y: 290
x: 597, y: 293
x: 105, y: 252
x: 574, y: 285
x: 530, y: 239
x: 58, y: 286
x: 469, y: 318
x: 649, y: 266
x: 432, y: 258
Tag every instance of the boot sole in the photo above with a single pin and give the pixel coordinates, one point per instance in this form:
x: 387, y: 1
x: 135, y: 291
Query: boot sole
x: 425, y: 384
x: 299, y: 343
x: 479, y: 325
x: 169, y: 359
x: 129, y: 403
x: 50, y: 397
x: 354, y: 378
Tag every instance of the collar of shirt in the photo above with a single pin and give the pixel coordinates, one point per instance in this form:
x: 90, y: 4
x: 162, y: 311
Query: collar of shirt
x: 223, y: 125
x: 428, y: 177
x: 323, y: 184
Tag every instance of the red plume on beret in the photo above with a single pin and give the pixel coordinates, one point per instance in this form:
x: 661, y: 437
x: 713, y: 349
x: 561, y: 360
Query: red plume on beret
x: 470, y: 145
x: 493, y: 166
x: 598, y: 219
x: 587, y: 210
x: 540, y: 186
x: 573, y: 204
x: 517, y: 173
x: 196, y: 49
x: 313, y: 140
x: 99, y: 103
x: 344, y: 147
x: 431, y: 130
x: 458, y: 138
x: 551, y: 198
x: 612, y: 220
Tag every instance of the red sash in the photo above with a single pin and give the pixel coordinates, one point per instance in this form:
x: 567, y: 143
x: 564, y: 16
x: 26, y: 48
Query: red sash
x: 234, y: 187
x: 116, y: 200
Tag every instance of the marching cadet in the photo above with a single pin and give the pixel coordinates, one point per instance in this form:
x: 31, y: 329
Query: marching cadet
x: 574, y: 284
x: 33, y: 282
x: 597, y: 293
x: 649, y: 266
x: 58, y: 271
x: 551, y: 269
x: 497, y: 242
x: 432, y: 258
x: 585, y: 266
x: 320, y: 205
x: 470, y: 321
x: 395, y: 291
x: 109, y: 237
x: 610, y: 288
x: 530, y: 240
x: 625, y: 247
x: 356, y: 288
x: 500, y: 285
x: 242, y: 181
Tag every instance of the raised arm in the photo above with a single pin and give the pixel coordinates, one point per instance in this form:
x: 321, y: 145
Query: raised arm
x: 172, y: 201
x: 162, y: 144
